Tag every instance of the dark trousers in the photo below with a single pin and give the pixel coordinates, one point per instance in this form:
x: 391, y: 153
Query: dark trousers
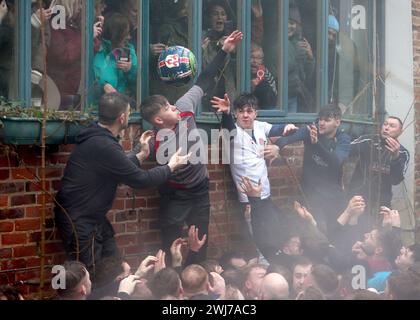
x: 182, y: 206
x: 87, y: 240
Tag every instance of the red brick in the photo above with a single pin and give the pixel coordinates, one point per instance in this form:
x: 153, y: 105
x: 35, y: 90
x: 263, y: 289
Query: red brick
x: 214, y: 175
x: 23, y: 174
x: 35, y: 212
x: 126, y: 240
x: 4, y: 174
x: 6, y: 226
x: 67, y: 148
x: 11, y: 213
x: 48, y: 198
x: 20, y: 200
x: 139, y: 203
x: 56, y: 185
x: 36, y: 186
x: 11, y: 239
x: 119, y: 204
x: 52, y: 173
x: 5, y: 253
x: 54, y: 248
x: 12, y: 187
x: 217, y: 196
x: 153, y: 202
x: 36, y: 236
x: 4, y: 200
x: 19, y: 252
x: 119, y: 228
x: 58, y: 159
x: 28, y: 225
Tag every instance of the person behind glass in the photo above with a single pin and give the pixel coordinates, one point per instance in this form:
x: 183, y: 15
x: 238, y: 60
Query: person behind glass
x: 116, y: 62
x: 343, y: 65
x: 263, y: 83
x: 301, y: 64
x: 98, y: 26
x: 65, y: 53
x: 172, y: 32
x: 214, y: 36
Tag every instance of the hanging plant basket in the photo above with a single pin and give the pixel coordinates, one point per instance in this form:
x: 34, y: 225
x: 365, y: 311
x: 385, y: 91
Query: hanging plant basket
x: 22, y: 126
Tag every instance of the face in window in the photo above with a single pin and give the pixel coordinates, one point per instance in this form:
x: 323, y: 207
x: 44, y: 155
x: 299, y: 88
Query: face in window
x: 218, y: 18
x: 245, y: 117
x: 300, y: 273
x: 391, y: 128
x: 183, y: 9
x: 332, y: 36
x: 328, y: 126
x: 257, y: 59
x: 292, y: 28
x: 405, y: 260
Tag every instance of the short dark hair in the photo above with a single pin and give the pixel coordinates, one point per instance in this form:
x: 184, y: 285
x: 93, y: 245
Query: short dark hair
x: 165, y: 283
x: 75, y: 273
x: 111, y: 106
x: 390, y: 240
x: 225, y: 260
x: 398, y: 119
x: 404, y: 285
x: 415, y: 248
x: 245, y: 99
x: 331, y: 111
x: 107, y: 270
x: 114, y: 28
x: 326, y: 278
x: 151, y: 106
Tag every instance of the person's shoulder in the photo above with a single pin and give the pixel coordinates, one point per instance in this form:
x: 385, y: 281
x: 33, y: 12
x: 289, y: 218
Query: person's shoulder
x: 342, y: 135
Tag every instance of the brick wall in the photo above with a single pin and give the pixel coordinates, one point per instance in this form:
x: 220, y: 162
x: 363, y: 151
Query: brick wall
x: 416, y: 48
x: 134, y: 218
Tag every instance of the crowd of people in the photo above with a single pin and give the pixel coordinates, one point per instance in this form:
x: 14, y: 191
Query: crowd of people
x: 306, y: 253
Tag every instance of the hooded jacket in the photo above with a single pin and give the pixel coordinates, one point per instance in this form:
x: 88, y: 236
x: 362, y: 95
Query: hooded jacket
x: 94, y: 170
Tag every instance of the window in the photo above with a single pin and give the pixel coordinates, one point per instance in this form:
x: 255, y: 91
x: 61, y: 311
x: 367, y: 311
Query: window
x: 297, y: 55
x: 351, y: 49
x: 219, y: 21
x: 170, y: 25
x: 8, y: 50
x: 63, y: 43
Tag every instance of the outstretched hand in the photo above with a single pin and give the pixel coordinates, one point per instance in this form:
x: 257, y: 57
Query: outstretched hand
x: 304, y: 213
x: 250, y: 189
x: 222, y: 105
x: 314, y: 133
x: 194, y: 243
x: 232, y: 41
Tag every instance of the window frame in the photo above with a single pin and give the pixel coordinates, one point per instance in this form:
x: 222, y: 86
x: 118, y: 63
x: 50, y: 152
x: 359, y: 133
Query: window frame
x: 243, y: 72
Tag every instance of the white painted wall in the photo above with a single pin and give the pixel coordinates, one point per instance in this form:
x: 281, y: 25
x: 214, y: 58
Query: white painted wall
x: 399, y: 94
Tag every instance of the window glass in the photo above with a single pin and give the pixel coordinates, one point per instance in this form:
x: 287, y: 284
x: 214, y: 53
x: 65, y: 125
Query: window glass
x: 265, y: 53
x: 219, y: 21
x: 302, y: 28
x: 63, y: 39
x: 8, y: 52
x: 350, y: 59
x: 170, y: 25
x: 115, y: 44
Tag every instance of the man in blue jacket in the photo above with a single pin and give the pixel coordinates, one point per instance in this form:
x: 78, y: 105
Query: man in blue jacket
x: 326, y: 149
x: 94, y: 170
